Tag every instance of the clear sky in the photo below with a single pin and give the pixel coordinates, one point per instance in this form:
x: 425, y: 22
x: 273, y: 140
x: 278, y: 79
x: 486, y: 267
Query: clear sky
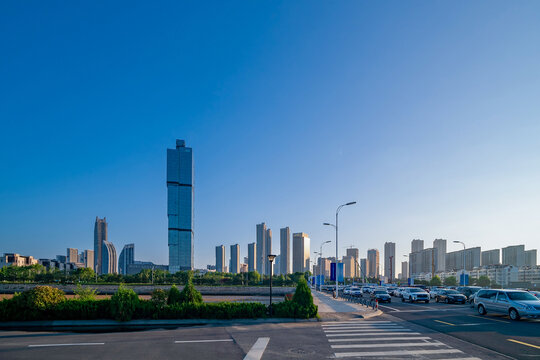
x: 427, y: 113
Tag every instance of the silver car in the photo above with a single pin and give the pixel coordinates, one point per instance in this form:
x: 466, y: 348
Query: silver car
x: 515, y: 303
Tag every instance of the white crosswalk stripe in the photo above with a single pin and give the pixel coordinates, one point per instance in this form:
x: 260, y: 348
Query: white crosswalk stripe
x: 385, y: 339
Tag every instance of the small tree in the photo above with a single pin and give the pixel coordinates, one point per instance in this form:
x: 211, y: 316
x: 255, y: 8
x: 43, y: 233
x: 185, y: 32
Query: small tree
x: 483, y: 281
x: 190, y: 294
x: 85, y: 293
x: 174, y: 295
x: 303, y: 301
x: 123, y: 303
x: 435, y: 281
x: 450, y: 281
x: 159, y: 298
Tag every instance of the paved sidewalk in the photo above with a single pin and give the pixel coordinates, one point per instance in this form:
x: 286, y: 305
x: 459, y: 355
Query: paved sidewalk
x: 337, y: 309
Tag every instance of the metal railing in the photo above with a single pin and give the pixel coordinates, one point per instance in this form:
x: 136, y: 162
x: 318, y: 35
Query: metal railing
x: 374, y: 304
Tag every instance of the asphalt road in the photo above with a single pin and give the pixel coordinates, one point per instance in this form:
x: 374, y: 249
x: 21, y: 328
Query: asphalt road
x: 517, y: 339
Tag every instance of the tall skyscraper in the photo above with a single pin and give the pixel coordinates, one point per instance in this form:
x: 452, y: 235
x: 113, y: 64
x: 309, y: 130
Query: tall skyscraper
x: 373, y: 263
x: 301, y: 250
x: 491, y: 257
x: 390, y: 260
x: 417, y: 245
x: 454, y: 259
x: 364, y: 264
x: 268, y: 251
x: 88, y: 259
x: 404, y: 270
x: 100, y: 235
x: 235, y: 259
x: 180, y: 206
x: 261, y: 248
x: 72, y: 255
x: 440, y: 246
x: 108, y: 258
x: 220, y: 258
x: 530, y: 257
x: 285, y: 250
x: 127, y: 256
x: 356, y: 255
x: 513, y: 255
x: 252, y: 257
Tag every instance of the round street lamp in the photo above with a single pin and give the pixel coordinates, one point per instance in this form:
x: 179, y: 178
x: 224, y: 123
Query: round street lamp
x: 271, y: 259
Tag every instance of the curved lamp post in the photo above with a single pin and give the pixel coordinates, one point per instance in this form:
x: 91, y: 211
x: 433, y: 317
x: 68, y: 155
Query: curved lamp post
x: 271, y: 259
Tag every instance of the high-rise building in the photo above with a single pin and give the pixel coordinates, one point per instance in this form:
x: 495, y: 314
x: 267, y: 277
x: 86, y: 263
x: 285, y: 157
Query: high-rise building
x: 268, y: 251
x: 404, y: 270
x: 235, y: 259
x: 373, y: 263
x: 252, y: 257
x: 364, y: 264
x: 180, y: 207
x: 301, y: 251
x: 285, y: 250
x: 88, y: 259
x: 220, y: 258
x: 390, y: 260
x: 530, y: 257
x: 513, y: 255
x: 440, y: 247
x: 349, y: 265
x: 72, y: 255
x: 491, y: 257
x: 417, y: 245
x: 356, y: 255
x: 276, y: 265
x: 261, y: 248
x: 100, y: 235
x: 454, y: 260
x: 127, y: 257
x: 108, y: 258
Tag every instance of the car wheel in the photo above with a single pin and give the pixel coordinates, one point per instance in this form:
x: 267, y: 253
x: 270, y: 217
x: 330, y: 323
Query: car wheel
x: 447, y: 301
x: 481, y: 310
x: 514, y: 315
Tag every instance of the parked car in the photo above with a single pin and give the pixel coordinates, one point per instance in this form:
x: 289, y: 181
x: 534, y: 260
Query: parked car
x: 515, y: 303
x: 450, y: 296
x: 535, y: 293
x: 347, y: 290
x: 391, y: 289
x: 399, y: 292
x: 381, y: 296
x: 355, y: 291
x: 414, y: 295
x: 366, y: 289
x: 435, y: 291
x: 468, y: 291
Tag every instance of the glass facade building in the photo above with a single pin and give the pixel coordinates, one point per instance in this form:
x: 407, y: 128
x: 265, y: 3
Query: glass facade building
x: 180, y: 207
x: 108, y: 258
x: 100, y: 235
x: 127, y: 257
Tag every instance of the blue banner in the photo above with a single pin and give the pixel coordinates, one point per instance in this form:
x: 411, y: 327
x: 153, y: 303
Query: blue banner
x: 340, y: 272
x: 333, y: 271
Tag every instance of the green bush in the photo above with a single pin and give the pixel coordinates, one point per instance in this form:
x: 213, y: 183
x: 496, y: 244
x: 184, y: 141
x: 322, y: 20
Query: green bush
x: 159, y: 298
x: 190, y: 295
x: 76, y: 309
x: 41, y: 297
x: 85, y: 293
x: 174, y: 296
x: 123, y: 303
x: 301, y: 305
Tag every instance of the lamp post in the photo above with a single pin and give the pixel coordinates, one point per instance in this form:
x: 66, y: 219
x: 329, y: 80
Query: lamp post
x: 409, y: 268
x: 320, y: 265
x: 271, y: 259
x: 462, y: 243
x: 336, y: 227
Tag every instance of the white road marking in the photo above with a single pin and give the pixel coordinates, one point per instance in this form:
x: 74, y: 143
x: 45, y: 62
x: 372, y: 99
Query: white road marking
x: 381, y: 339
x: 378, y: 328
x: 257, y: 350
x: 201, y: 341
x: 363, y: 346
x: 366, y: 330
x: 356, y: 322
x: 72, y: 344
x: 391, y: 308
x: 398, y: 353
x: 374, y: 334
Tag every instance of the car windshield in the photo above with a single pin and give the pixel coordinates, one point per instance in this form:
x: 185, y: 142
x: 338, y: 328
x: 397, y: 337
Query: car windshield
x: 416, y: 290
x: 515, y: 295
x: 380, y: 292
x: 451, y: 292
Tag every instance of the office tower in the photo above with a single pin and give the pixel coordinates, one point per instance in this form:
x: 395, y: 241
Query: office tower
x: 72, y: 255
x: 88, y: 259
x: 261, y: 248
x: 364, y: 264
x: 349, y: 265
x: 301, y: 251
x: 530, y: 258
x: 491, y: 257
x: 235, y: 259
x: 513, y: 255
x: 417, y: 245
x: 454, y: 260
x: 268, y: 251
x: 61, y: 259
x: 277, y: 265
x: 373, y: 263
x: 390, y: 260
x: 108, y: 258
x: 127, y: 257
x: 180, y: 207
x: 252, y: 257
x: 440, y: 246
x: 220, y: 258
x: 285, y: 250
x: 404, y: 270
x: 100, y: 235
x: 356, y: 255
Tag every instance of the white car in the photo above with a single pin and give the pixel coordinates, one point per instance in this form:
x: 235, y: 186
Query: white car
x: 435, y: 291
x: 355, y: 291
x: 414, y: 295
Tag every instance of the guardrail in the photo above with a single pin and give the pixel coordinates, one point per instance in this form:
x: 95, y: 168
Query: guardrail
x: 374, y: 304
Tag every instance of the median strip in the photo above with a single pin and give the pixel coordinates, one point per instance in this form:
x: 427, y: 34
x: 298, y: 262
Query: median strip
x: 444, y: 322
x: 524, y: 343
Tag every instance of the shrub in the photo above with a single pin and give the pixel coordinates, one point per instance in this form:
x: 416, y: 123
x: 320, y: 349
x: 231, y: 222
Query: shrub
x: 190, y: 294
x: 85, y: 293
x: 76, y: 309
x: 159, y: 298
x: 123, y: 303
x: 174, y: 296
x: 41, y: 297
x: 301, y: 305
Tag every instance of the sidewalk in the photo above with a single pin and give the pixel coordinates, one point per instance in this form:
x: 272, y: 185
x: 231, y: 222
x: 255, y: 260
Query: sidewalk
x: 331, y: 309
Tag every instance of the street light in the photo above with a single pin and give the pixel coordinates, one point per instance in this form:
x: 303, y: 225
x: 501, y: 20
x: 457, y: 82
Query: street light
x: 271, y: 259
x: 320, y: 266
x: 462, y: 243
x: 336, y: 227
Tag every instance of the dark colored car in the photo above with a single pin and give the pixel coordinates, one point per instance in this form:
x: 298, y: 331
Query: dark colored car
x: 381, y: 296
x: 450, y: 296
x: 535, y: 293
x: 469, y: 291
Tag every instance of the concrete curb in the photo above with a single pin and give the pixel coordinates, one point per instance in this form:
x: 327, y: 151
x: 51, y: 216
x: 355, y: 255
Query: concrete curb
x: 112, y: 325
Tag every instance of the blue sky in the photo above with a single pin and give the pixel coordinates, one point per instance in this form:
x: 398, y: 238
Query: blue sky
x: 425, y: 113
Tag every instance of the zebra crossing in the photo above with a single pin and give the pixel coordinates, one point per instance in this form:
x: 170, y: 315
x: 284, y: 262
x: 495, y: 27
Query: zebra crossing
x: 387, y: 340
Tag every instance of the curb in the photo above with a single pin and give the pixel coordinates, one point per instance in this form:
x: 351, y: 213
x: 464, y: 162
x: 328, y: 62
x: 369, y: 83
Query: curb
x: 112, y: 325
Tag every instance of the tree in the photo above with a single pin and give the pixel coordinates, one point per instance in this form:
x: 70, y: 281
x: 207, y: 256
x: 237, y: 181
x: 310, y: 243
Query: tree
x: 483, y: 281
x: 85, y: 274
x: 450, y: 281
x: 435, y: 281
